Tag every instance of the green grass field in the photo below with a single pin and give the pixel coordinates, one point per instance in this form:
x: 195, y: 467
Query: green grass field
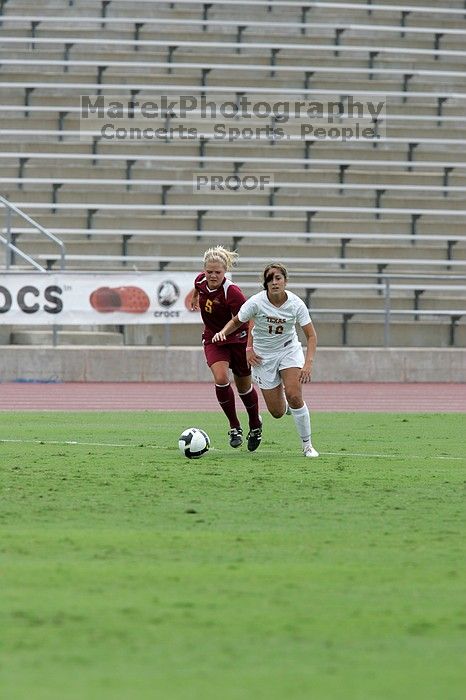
x: 130, y: 572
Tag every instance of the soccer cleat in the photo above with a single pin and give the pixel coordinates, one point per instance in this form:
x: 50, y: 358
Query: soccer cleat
x: 236, y: 437
x: 309, y: 451
x: 254, y: 438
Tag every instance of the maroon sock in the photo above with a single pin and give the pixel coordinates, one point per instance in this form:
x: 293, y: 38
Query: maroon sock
x: 251, y: 404
x: 226, y: 399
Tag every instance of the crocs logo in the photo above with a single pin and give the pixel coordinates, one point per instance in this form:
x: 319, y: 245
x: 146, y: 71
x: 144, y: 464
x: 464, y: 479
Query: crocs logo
x: 168, y: 293
x: 27, y: 299
x: 131, y: 300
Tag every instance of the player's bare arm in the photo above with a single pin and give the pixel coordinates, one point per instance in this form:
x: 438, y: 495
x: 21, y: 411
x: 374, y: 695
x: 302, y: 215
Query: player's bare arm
x: 311, y: 337
x: 195, y: 300
x: 230, y: 327
x: 251, y: 356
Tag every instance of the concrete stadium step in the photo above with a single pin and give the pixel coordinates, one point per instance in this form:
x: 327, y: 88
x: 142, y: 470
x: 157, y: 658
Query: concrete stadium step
x: 306, y: 244
x: 216, y: 222
x: 176, y: 334
x: 162, y: 168
x: 35, y: 245
x: 441, y: 303
x: 8, y: 169
x: 62, y: 219
x: 111, y: 244
x: 357, y: 14
x: 433, y: 128
x: 177, y: 33
x: 29, y: 196
x: 425, y: 131
x: 361, y: 175
x: 137, y: 169
x: 62, y: 169
x: 88, y: 74
x: 454, y: 201
x: 136, y: 247
x: 49, y: 53
x: 409, y: 109
x: 359, y: 333
x: 107, y: 220
x: 66, y: 337
x: 71, y: 121
x: 355, y: 249
x: 52, y: 8
x: 153, y: 148
x: 322, y: 300
x: 32, y: 122
x: 369, y: 329
x: 422, y: 333
x: 58, y: 147
x: 363, y: 198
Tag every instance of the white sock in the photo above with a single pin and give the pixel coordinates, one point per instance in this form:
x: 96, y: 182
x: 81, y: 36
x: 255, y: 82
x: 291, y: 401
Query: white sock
x: 303, y: 423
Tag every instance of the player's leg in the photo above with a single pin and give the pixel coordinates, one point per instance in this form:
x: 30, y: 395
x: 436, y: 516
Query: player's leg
x: 275, y: 401
x: 298, y: 408
x: 247, y: 393
x: 218, y: 360
x: 267, y: 377
x: 226, y: 399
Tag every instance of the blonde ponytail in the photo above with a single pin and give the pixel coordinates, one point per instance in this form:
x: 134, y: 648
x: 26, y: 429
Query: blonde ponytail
x: 219, y: 254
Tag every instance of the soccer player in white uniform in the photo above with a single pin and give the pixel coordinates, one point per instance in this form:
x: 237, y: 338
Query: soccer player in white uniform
x: 279, y: 366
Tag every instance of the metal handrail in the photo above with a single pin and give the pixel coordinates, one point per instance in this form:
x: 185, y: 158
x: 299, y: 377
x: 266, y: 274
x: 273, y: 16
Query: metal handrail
x: 9, y: 207
x: 19, y: 252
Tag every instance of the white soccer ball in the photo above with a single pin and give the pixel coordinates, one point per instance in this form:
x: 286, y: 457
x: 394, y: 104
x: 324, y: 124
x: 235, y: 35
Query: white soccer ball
x: 194, y: 443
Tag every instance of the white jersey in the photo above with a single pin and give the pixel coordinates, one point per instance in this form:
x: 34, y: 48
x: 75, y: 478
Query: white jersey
x: 274, y: 327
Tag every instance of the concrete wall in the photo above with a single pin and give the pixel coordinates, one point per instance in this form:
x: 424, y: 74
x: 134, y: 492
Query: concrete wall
x: 152, y: 364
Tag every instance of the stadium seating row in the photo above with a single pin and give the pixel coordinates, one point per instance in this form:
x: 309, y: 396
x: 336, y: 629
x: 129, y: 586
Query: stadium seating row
x: 390, y: 204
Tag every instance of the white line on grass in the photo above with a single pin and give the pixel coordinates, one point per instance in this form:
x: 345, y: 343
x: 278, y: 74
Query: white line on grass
x: 69, y: 442
x: 391, y: 456
x: 374, y: 455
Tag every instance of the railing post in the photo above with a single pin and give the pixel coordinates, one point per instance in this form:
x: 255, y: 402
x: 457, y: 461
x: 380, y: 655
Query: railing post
x: 437, y: 38
x: 344, y: 328
x: 103, y: 11
x: 239, y: 36
x: 9, y: 252
x: 205, y: 14
x: 440, y: 103
x: 453, y: 321
x: 386, y: 325
x: 446, y: 174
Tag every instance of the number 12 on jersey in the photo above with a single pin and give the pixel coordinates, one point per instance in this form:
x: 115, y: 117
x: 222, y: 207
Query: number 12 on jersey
x: 277, y: 330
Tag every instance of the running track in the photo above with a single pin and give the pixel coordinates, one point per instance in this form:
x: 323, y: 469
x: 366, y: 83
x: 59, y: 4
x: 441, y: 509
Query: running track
x: 321, y: 396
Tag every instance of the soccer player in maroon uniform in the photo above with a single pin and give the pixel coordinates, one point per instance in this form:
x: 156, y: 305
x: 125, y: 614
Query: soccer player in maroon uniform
x: 218, y: 300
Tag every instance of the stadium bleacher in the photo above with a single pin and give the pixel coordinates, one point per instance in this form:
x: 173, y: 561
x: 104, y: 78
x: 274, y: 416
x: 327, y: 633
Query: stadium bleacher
x: 386, y: 205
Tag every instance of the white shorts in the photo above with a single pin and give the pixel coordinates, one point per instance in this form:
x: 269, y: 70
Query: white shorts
x: 267, y: 374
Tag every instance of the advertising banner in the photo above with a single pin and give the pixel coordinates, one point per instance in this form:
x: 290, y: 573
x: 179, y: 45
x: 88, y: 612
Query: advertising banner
x: 114, y: 298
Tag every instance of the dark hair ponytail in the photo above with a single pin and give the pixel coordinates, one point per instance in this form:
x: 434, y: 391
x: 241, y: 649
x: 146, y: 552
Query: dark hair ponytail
x: 267, y: 276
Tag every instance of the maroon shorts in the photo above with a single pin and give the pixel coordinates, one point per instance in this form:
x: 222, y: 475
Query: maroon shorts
x: 233, y: 353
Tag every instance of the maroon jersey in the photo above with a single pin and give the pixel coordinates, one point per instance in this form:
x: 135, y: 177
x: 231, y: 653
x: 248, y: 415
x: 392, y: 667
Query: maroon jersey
x: 218, y: 306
